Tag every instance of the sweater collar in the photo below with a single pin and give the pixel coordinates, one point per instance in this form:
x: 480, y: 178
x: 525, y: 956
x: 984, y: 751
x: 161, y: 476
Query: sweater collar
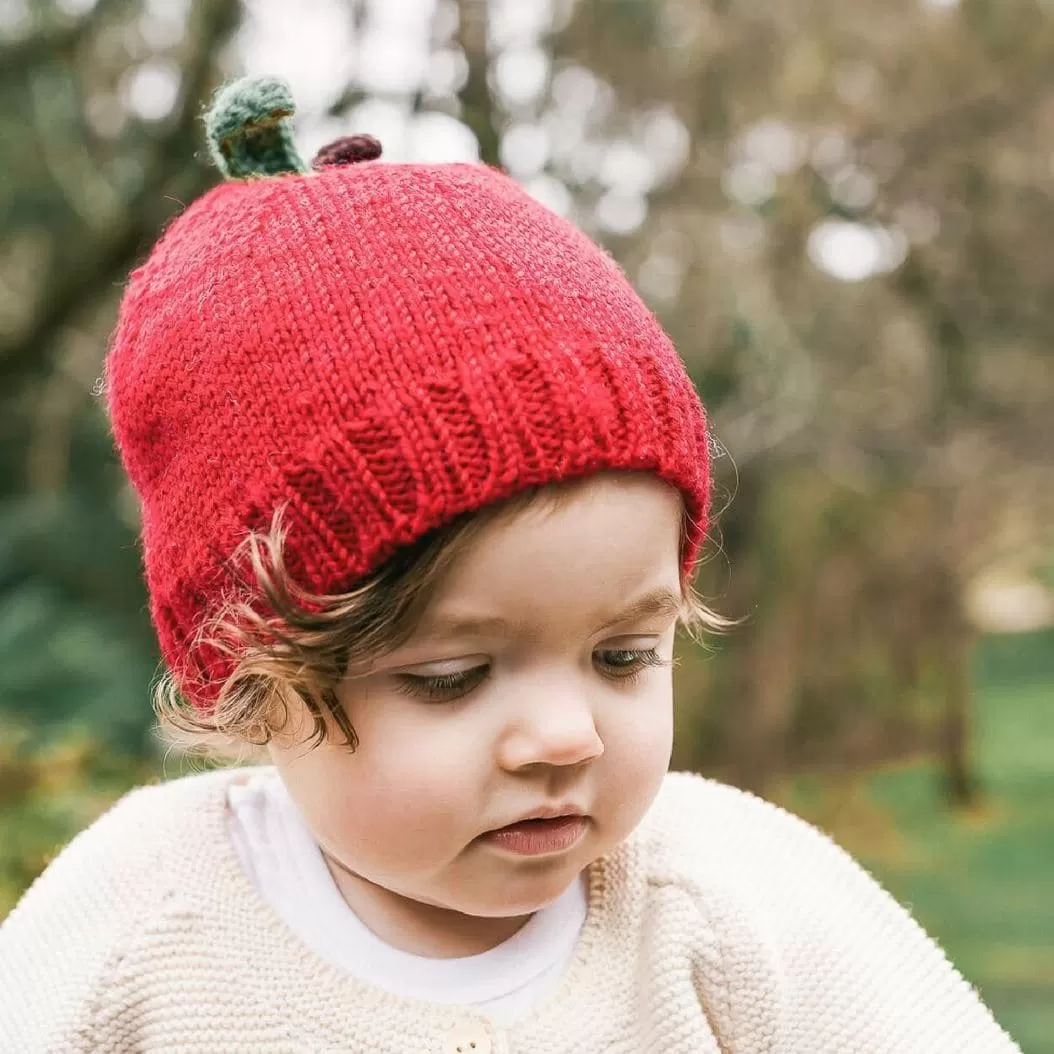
x: 234, y: 912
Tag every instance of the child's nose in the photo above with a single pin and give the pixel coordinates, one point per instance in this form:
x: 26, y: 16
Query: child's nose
x: 556, y: 729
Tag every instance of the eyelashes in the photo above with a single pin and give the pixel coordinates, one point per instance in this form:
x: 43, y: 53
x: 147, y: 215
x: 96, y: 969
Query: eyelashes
x: 444, y: 687
x: 624, y: 663
x: 624, y: 666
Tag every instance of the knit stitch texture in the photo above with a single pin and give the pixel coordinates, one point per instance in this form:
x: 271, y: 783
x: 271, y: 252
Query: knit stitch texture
x: 380, y: 348
x: 723, y: 925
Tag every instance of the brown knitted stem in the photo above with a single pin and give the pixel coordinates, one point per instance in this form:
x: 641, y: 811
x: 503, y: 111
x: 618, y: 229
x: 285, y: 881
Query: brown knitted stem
x: 346, y: 151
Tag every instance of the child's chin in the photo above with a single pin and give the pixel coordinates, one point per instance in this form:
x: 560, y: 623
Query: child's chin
x: 526, y: 901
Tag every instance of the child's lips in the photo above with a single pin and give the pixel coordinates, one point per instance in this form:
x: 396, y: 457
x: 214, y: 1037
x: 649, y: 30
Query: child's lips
x: 540, y: 836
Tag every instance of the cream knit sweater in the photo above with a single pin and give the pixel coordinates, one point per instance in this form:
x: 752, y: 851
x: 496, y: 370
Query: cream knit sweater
x: 723, y: 925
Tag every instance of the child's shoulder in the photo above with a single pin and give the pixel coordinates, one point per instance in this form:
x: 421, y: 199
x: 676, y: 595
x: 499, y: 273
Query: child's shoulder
x: 731, y: 850
x: 845, y: 952
x: 128, y: 845
x: 701, y: 827
x: 696, y: 808
x: 113, y: 881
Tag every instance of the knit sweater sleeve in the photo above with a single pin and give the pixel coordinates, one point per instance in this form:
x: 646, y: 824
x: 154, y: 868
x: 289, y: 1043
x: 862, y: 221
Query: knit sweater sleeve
x: 857, y: 973
x: 59, y: 943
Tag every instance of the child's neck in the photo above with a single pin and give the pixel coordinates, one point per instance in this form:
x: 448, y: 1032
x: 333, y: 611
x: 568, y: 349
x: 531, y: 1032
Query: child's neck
x: 420, y: 929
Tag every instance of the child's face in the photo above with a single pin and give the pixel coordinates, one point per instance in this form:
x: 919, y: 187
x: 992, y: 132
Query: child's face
x: 522, y: 687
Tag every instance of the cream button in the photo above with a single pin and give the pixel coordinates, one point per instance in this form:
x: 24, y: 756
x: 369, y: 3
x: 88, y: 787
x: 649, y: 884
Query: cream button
x: 467, y: 1039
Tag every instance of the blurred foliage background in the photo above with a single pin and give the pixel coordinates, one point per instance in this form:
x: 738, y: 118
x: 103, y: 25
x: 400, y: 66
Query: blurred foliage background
x: 842, y: 212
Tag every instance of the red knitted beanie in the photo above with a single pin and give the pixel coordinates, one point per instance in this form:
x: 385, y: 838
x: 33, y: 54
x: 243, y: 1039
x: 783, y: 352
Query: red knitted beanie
x: 378, y: 348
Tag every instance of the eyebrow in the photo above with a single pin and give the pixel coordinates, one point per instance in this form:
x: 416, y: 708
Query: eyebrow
x: 662, y: 601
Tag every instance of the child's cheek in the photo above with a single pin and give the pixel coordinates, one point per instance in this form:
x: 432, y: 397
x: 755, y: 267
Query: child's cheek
x: 400, y: 803
x: 637, y: 750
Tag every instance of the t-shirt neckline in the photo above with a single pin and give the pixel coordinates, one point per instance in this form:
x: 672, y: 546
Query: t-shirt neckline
x: 236, y: 905
x: 550, y: 934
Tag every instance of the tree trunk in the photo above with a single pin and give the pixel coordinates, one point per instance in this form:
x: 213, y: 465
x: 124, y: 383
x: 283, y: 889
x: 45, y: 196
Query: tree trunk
x: 953, y: 646
x: 960, y: 780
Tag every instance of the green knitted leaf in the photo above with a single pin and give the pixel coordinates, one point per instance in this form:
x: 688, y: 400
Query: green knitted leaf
x: 249, y: 129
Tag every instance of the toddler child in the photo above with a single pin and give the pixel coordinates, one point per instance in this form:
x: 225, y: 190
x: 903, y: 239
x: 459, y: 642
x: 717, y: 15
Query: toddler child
x: 422, y: 485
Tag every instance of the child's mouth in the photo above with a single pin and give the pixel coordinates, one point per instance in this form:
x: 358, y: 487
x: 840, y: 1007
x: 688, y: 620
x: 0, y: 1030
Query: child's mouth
x: 537, y: 837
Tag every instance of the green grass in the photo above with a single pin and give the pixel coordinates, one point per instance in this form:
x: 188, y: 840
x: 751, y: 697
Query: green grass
x: 981, y: 882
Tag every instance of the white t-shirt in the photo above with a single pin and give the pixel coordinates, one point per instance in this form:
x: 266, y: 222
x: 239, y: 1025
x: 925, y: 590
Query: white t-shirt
x: 284, y: 862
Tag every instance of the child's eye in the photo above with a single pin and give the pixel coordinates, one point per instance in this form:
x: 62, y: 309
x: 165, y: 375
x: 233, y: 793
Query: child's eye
x: 442, y: 687
x: 626, y: 664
